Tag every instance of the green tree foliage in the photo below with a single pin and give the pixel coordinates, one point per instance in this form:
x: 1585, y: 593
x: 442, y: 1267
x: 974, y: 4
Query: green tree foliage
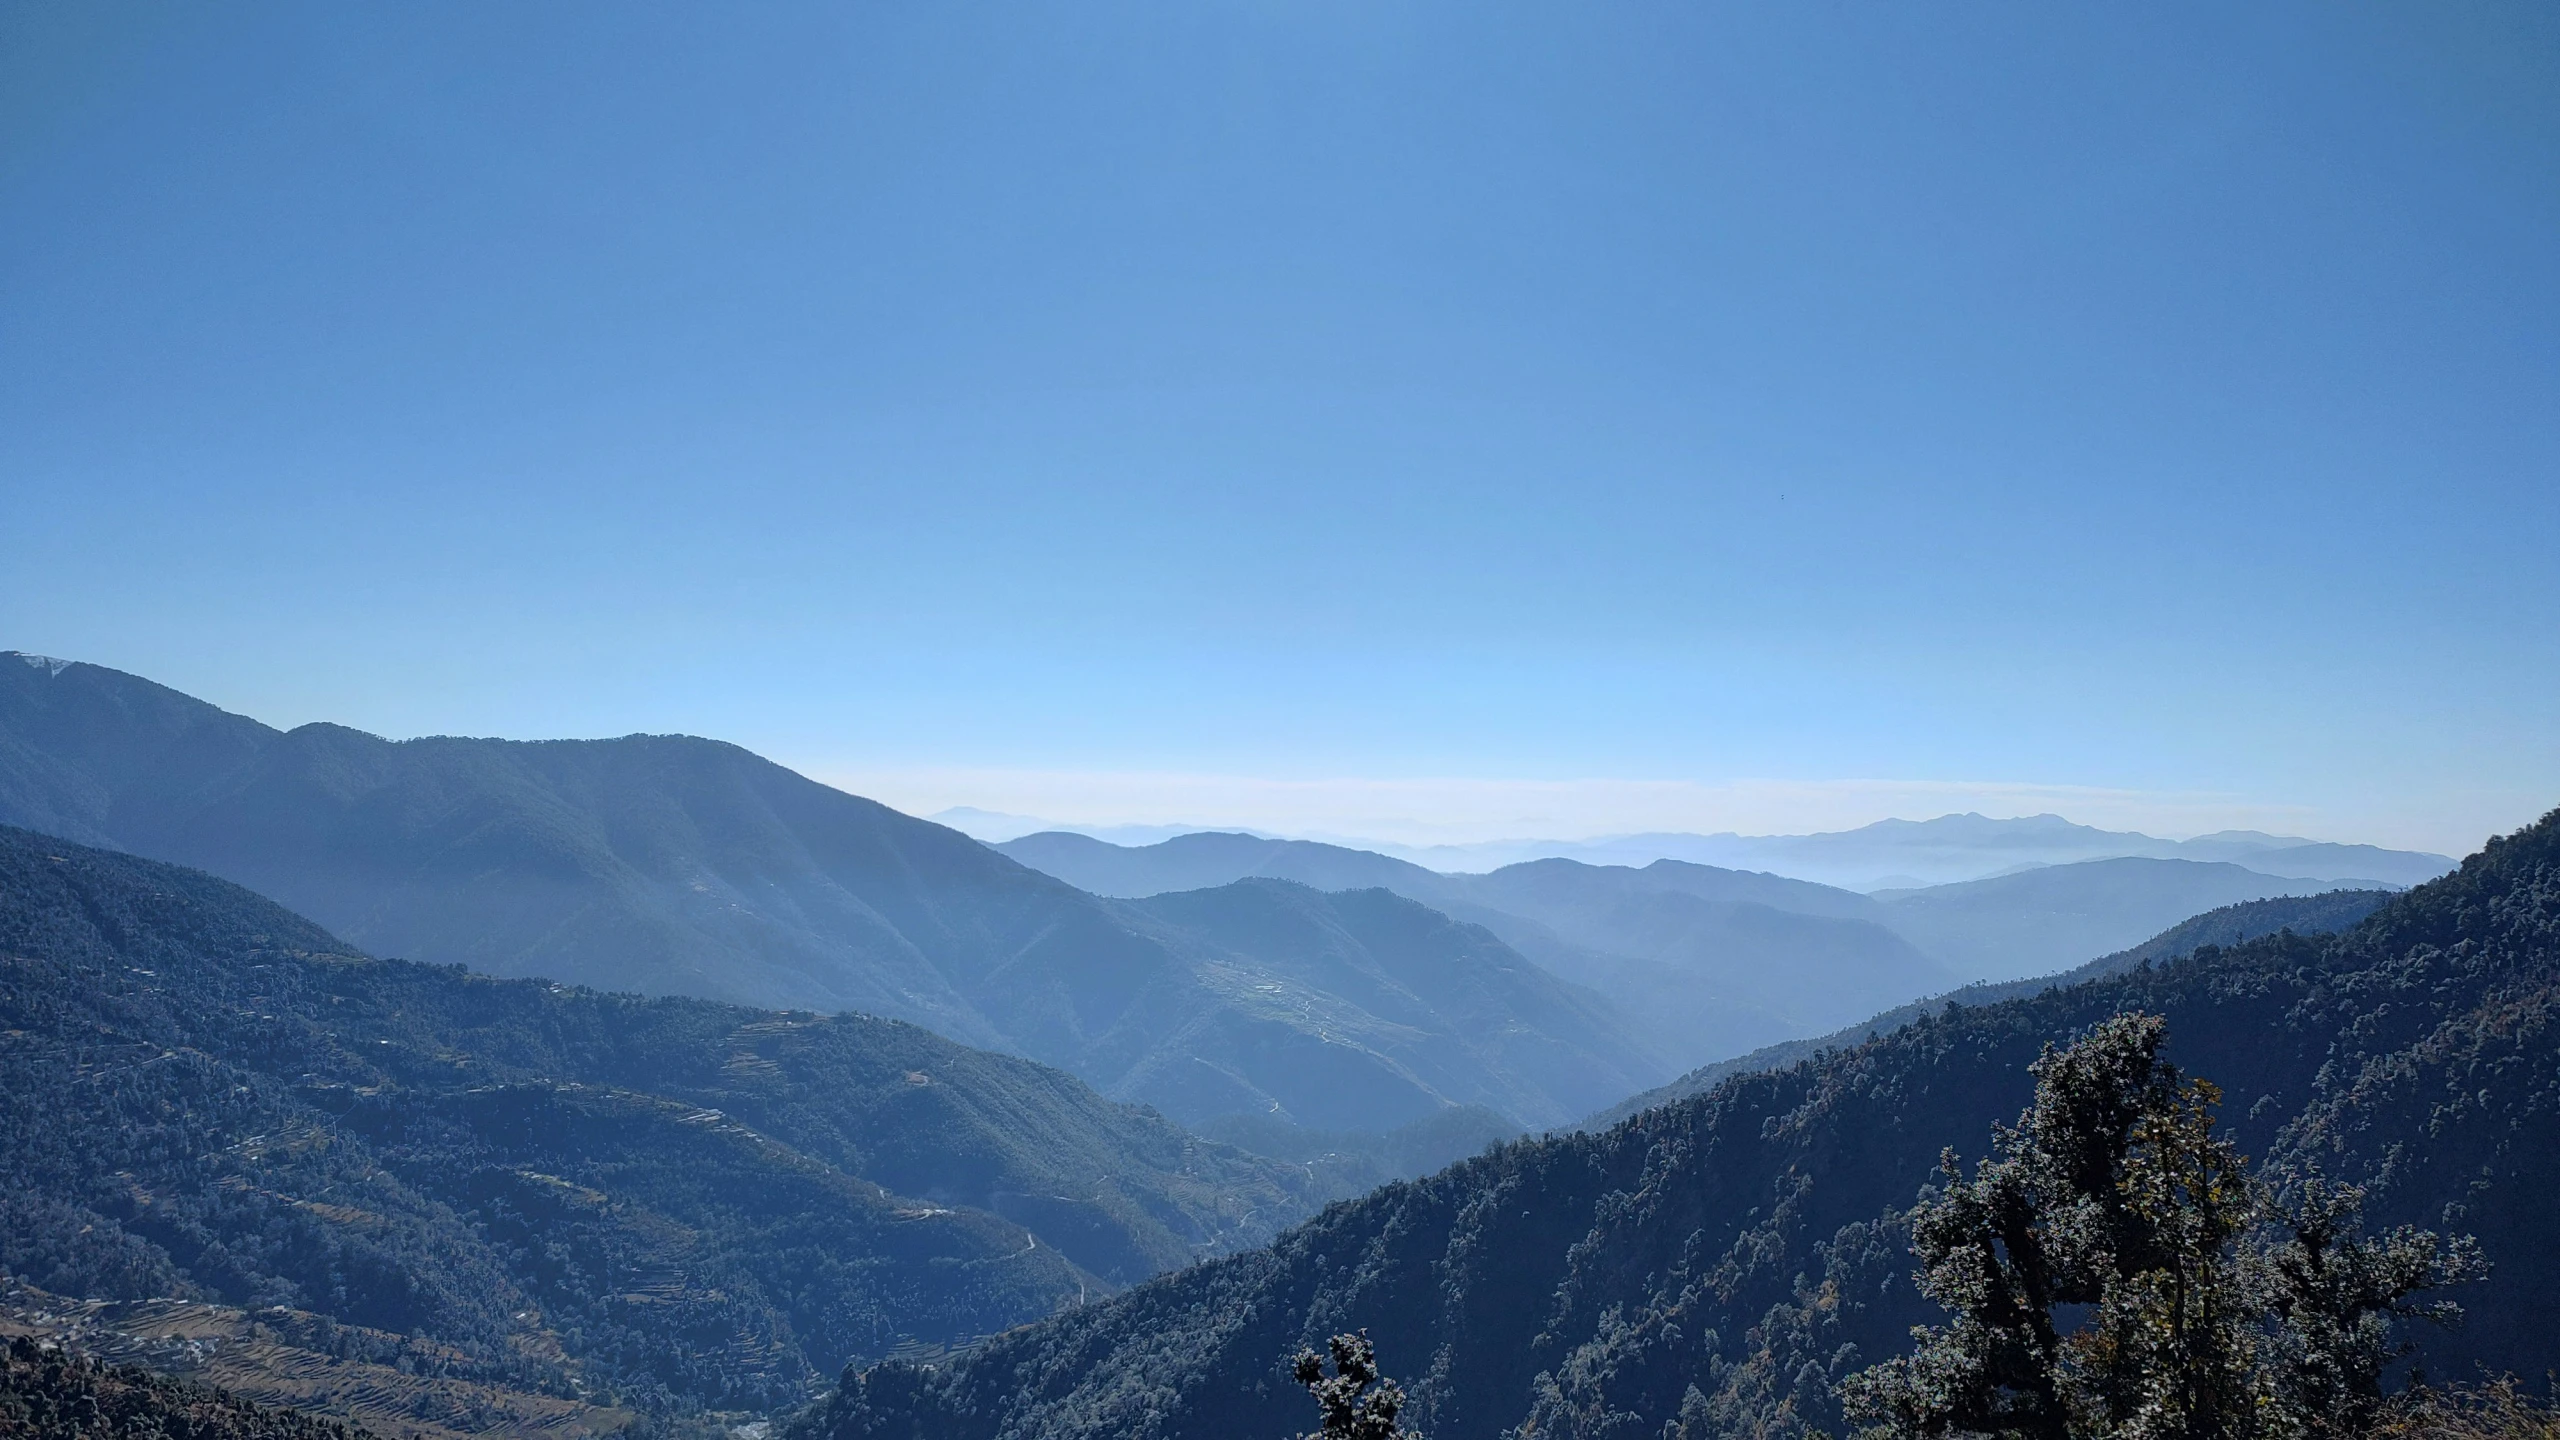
x: 2207, y: 1311
x: 2333, y: 1294
x: 1358, y: 1403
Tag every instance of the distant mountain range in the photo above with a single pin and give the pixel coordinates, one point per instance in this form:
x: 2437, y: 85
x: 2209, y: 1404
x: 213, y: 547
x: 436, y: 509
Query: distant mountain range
x: 1708, y: 962
x: 1954, y: 848
x: 994, y: 826
x: 1717, y: 1265
x: 678, y: 866
x: 1889, y: 854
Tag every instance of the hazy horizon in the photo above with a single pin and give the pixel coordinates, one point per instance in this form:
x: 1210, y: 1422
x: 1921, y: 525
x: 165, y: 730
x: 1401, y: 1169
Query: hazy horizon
x: 1467, y: 812
x: 1410, y: 815
x: 1421, y: 813
x: 998, y: 826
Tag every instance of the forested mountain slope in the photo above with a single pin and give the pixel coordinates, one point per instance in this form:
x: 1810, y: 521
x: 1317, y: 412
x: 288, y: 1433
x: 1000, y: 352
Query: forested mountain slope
x: 2323, y: 914
x: 683, y: 1203
x: 1715, y: 1266
x: 678, y: 866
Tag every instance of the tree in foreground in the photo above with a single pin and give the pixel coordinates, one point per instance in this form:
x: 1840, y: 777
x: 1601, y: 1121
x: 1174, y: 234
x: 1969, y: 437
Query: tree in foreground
x: 2114, y: 1272
x: 1358, y: 1403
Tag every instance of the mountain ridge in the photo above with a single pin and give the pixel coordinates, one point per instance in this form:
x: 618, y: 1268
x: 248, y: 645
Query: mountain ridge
x: 1952, y: 848
x: 678, y: 865
x: 1713, y: 962
x: 1959, y: 847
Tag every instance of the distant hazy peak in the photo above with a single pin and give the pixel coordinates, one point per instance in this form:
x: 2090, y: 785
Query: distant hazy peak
x: 2258, y: 838
x: 1968, y: 824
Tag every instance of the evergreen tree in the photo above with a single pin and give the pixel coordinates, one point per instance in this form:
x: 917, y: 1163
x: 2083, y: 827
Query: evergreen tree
x: 2113, y: 1272
x: 2172, y: 1348
x: 1358, y: 1403
x: 2332, y: 1296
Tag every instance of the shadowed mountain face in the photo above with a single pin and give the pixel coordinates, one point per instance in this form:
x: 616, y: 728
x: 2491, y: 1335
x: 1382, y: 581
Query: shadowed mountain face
x: 1429, y: 1007
x: 1212, y: 857
x: 1717, y: 1266
x: 2024, y: 924
x: 1725, y: 974
x: 656, y: 863
x: 204, y: 1095
x: 1726, y: 960
x: 678, y: 866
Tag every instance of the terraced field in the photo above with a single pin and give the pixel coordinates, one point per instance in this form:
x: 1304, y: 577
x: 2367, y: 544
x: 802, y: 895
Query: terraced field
x: 394, y: 1385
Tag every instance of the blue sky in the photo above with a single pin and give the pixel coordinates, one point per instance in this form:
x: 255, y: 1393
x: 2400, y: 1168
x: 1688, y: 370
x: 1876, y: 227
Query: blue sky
x: 1462, y: 417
